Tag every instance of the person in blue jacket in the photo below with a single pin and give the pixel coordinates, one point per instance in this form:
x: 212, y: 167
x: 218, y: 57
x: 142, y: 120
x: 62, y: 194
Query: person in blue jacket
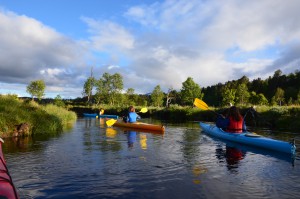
x: 132, y: 115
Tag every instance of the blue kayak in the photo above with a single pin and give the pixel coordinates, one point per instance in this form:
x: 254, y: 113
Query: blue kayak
x: 99, y: 116
x: 250, y: 139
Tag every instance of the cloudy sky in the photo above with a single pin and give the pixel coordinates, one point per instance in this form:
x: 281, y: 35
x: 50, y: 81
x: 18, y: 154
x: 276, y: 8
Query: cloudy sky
x: 148, y: 42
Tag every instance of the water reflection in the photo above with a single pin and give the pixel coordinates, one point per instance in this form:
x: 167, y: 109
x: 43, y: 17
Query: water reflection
x: 198, y: 169
x: 93, y: 161
x: 131, y: 138
x: 191, y: 151
x: 232, y: 156
x: 191, y: 146
x: 102, y: 122
x: 235, y: 152
x: 111, y: 133
x: 143, y: 141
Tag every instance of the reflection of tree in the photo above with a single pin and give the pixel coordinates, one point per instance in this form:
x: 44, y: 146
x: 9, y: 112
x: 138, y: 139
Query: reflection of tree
x: 25, y: 144
x: 231, y: 155
x: 110, y: 146
x: 190, y: 147
x: 191, y: 152
x: 88, y: 122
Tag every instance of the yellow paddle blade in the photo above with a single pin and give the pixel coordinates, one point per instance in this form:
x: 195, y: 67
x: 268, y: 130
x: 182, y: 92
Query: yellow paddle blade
x: 143, y: 110
x: 110, y: 122
x: 200, y: 104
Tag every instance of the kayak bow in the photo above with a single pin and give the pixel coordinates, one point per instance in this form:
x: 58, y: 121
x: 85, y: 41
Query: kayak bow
x: 7, y: 188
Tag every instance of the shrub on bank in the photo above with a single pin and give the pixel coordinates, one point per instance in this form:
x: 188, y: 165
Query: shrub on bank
x: 48, y: 119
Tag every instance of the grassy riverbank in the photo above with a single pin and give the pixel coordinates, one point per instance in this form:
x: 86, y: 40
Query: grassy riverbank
x: 40, y: 119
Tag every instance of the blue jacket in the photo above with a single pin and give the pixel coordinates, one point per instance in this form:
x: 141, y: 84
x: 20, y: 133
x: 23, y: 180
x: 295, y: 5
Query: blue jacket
x: 222, y: 122
x: 133, y: 117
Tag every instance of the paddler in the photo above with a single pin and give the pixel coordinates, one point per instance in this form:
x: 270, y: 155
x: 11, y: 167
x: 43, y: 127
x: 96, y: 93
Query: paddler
x: 132, y: 116
x: 236, y: 122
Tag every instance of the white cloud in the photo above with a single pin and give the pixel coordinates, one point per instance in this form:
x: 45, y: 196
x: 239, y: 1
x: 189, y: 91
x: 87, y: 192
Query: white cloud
x: 106, y: 35
x: 162, y: 43
x: 31, y: 50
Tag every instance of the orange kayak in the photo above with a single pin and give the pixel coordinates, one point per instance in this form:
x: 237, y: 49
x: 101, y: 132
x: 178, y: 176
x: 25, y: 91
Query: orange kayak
x: 141, y: 126
x: 7, y: 188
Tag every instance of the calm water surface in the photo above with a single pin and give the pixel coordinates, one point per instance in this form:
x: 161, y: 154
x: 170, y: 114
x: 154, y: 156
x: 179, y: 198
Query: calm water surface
x: 92, y: 161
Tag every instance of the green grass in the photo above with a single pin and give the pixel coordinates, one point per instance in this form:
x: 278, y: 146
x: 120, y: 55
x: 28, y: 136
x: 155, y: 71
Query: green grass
x: 48, y: 119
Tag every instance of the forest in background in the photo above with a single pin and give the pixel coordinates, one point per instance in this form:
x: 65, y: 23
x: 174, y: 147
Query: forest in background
x: 279, y: 89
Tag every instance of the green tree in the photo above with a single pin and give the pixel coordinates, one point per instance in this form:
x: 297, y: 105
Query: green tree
x: 109, y: 87
x: 157, y: 96
x: 228, y: 96
x: 298, y: 98
x: 242, y: 94
x: 88, y: 88
x: 290, y: 101
x: 130, y: 96
x: 36, y: 89
x: 98, y: 97
x: 253, y: 97
x: 190, y: 90
x: 279, y: 96
x: 261, y: 99
x: 58, y: 101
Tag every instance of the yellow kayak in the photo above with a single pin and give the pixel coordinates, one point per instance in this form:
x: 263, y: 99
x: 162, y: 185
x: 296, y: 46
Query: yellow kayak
x: 141, y: 126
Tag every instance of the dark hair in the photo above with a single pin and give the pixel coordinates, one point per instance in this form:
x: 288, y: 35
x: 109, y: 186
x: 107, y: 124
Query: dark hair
x: 235, y: 113
x: 131, y: 109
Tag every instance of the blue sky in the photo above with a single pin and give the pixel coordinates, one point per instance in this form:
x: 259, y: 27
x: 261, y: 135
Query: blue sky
x: 148, y: 42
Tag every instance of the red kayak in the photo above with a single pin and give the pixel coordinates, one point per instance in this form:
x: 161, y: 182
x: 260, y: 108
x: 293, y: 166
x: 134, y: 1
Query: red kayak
x: 7, y: 188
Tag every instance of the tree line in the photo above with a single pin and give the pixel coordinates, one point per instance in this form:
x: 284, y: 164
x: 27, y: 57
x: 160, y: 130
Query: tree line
x: 109, y: 90
x: 279, y: 89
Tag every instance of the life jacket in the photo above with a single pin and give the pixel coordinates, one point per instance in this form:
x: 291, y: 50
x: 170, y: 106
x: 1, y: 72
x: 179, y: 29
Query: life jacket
x: 235, y: 126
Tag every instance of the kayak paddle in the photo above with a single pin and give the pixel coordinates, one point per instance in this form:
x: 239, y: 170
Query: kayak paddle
x: 110, y: 122
x: 143, y: 110
x: 202, y: 105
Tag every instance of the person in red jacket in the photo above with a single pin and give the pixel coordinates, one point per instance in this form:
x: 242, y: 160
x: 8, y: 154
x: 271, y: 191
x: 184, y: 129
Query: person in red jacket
x: 236, y: 121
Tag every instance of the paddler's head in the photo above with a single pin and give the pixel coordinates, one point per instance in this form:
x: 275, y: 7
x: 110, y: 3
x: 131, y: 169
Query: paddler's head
x: 131, y: 109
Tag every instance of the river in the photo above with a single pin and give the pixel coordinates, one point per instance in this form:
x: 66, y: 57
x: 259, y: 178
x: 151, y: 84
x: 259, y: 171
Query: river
x: 92, y: 161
